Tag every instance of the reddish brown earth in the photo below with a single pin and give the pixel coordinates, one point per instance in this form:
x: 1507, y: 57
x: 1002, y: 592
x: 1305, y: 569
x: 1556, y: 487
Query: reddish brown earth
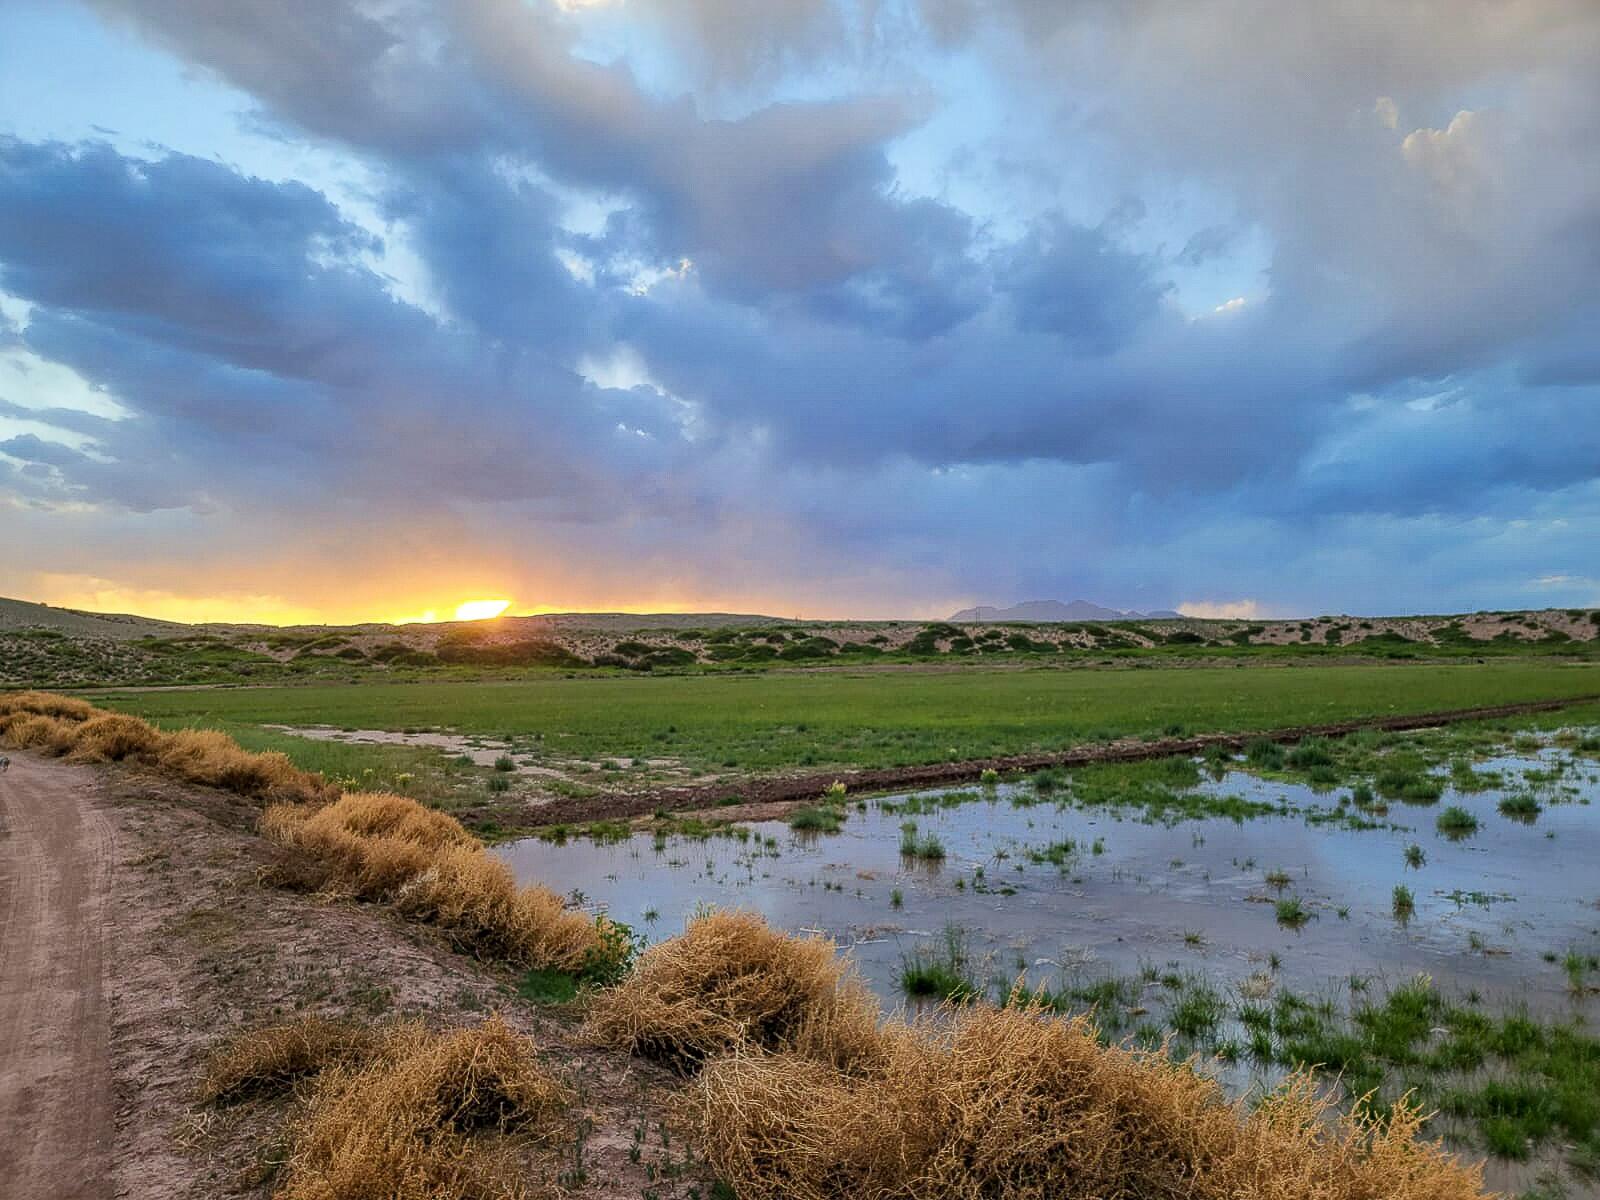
x: 790, y: 789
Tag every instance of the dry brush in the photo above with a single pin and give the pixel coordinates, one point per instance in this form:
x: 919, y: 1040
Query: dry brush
x: 75, y: 729
x: 375, y: 846
x: 801, y: 1094
x: 731, y: 981
x: 399, y: 1113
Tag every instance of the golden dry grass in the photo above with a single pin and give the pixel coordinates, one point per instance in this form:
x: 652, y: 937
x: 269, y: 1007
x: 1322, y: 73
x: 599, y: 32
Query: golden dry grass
x: 45, y: 704
x: 377, y: 846
x: 730, y: 980
x: 1014, y: 1105
x: 62, y: 725
x: 265, y: 1062
x: 420, y: 1119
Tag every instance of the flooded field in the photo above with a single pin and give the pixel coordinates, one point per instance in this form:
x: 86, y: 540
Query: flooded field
x: 1230, y: 908
x: 1047, y: 888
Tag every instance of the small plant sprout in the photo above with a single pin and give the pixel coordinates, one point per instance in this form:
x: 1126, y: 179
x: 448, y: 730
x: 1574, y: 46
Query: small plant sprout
x: 1415, y: 855
x: 835, y: 791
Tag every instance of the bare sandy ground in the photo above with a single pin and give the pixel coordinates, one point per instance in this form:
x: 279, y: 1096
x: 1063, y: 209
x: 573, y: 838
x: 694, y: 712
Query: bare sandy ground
x: 56, y: 857
x: 135, y: 934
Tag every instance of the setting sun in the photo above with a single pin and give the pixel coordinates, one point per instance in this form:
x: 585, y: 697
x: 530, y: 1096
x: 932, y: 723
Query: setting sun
x: 481, y: 610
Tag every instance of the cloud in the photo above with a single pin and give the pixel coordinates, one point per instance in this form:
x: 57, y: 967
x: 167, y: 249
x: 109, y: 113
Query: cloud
x: 841, y: 348
x: 1076, y: 283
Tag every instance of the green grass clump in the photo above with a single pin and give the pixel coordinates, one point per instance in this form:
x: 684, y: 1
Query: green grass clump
x: 1408, y: 781
x: 1291, y: 911
x: 1456, y: 822
x: 548, y: 987
x: 815, y: 818
x: 1197, y: 1011
x: 1415, y: 855
x: 1521, y: 806
x: 505, y: 763
x: 1402, y: 901
x: 1264, y: 755
x: 941, y: 972
x: 1056, y: 853
x: 927, y: 847
x: 1313, y: 752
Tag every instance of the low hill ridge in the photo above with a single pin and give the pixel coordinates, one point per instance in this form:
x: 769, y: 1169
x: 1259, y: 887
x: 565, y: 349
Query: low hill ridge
x: 1047, y: 611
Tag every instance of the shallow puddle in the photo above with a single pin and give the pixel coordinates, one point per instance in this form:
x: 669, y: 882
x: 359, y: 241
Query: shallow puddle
x: 1491, y: 909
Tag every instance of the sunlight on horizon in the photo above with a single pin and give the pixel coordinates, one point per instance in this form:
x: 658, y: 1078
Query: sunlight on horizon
x: 467, y: 610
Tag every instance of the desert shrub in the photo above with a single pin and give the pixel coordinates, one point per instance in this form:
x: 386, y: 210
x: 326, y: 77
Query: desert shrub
x: 368, y: 844
x: 528, y: 652
x: 376, y: 846
x: 861, y: 649
x: 64, y: 726
x: 671, y: 656
x: 46, y: 704
x: 26, y: 731
x: 267, y: 1062
x: 729, y: 980
x: 809, y: 648
x: 112, y: 737
x: 473, y: 898
x: 1010, y: 1103
x: 407, y: 1123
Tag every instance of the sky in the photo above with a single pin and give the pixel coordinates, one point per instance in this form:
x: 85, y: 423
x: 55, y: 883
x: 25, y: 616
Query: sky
x: 331, y: 310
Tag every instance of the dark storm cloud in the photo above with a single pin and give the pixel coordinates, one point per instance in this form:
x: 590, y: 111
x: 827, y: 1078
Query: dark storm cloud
x: 230, y: 316
x: 1077, y: 284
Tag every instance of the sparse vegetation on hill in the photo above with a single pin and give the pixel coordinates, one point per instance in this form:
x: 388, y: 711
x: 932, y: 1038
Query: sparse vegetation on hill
x: 43, y: 647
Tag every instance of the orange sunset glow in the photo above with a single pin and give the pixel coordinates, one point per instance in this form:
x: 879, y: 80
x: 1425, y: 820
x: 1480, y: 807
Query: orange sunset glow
x: 467, y: 610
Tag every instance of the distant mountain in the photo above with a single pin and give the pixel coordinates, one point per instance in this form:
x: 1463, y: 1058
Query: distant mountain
x: 1050, y: 611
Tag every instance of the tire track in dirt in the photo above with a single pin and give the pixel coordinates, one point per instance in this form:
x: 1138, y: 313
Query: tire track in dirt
x: 796, y: 788
x: 56, y: 1106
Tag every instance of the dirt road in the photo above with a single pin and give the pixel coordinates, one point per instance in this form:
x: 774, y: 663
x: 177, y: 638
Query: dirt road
x: 56, y: 1105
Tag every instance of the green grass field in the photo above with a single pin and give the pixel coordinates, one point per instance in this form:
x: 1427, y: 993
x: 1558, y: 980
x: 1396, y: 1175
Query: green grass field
x: 867, y: 718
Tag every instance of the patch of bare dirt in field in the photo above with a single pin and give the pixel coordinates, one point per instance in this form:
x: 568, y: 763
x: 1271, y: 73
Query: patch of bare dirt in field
x: 195, y: 949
